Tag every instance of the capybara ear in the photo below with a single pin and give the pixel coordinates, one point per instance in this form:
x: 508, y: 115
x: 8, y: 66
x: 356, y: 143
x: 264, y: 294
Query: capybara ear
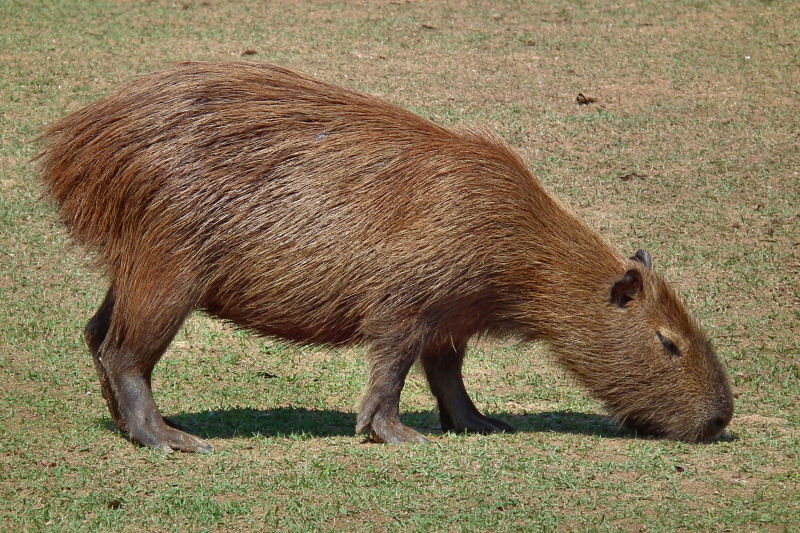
x: 644, y: 258
x: 626, y: 288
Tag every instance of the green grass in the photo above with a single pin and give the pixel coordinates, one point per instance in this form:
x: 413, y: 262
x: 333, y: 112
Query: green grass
x: 690, y: 152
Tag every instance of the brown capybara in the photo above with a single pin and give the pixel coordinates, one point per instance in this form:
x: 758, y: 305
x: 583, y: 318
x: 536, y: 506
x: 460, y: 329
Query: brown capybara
x: 309, y: 212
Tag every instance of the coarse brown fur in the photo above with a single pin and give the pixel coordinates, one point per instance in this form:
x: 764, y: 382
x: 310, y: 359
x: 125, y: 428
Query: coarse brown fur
x: 306, y: 211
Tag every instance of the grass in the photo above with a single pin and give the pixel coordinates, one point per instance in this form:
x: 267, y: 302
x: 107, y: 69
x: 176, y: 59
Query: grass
x: 690, y: 151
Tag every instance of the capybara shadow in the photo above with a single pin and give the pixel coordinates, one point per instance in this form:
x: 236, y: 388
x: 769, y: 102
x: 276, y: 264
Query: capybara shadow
x: 309, y: 212
x: 286, y: 421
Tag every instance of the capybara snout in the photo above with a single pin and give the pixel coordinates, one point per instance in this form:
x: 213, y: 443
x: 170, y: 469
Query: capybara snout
x: 305, y: 211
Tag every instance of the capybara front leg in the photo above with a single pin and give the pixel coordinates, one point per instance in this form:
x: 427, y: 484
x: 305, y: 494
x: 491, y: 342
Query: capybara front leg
x: 457, y: 413
x: 380, y: 409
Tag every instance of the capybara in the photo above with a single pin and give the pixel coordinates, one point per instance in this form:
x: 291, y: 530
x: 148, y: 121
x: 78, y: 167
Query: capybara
x: 301, y: 210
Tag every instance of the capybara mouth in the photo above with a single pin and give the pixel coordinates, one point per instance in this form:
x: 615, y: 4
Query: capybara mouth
x: 714, y: 429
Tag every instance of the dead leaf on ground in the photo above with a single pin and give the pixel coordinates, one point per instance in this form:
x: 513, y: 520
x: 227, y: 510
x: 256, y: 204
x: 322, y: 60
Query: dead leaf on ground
x: 630, y: 175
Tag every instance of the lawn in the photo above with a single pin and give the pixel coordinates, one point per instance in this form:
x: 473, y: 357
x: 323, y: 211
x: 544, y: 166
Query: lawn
x: 687, y: 144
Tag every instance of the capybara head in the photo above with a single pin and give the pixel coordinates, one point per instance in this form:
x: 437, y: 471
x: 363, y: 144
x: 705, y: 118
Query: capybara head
x: 650, y: 362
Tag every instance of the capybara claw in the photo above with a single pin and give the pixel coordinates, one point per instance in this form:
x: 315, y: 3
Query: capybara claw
x: 202, y: 448
x: 163, y: 448
x: 195, y: 445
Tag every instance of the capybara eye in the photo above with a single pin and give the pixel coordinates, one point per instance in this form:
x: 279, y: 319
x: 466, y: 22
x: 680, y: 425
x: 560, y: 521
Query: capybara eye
x: 668, y: 345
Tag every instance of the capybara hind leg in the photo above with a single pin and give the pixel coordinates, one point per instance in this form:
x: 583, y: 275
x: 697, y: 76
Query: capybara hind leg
x: 127, y: 357
x: 380, y: 408
x: 457, y: 413
x: 95, y: 333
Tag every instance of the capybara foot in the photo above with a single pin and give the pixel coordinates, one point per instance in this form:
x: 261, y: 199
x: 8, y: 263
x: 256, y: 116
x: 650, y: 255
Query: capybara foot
x: 163, y: 437
x: 384, y: 429
x: 474, y: 423
x: 461, y: 416
x: 145, y: 424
